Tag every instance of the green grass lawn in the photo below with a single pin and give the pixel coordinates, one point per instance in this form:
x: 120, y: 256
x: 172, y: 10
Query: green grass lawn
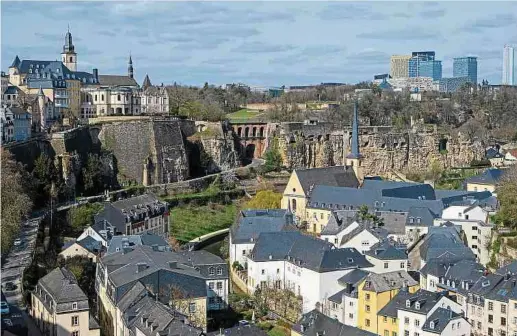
x: 244, y: 114
x: 189, y: 222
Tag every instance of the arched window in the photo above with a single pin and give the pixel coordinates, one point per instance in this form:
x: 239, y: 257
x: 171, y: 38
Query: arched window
x: 118, y: 97
x: 294, y: 204
x: 246, y: 132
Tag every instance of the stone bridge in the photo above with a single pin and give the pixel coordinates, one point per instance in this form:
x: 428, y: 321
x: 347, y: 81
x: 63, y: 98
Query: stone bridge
x: 252, y: 136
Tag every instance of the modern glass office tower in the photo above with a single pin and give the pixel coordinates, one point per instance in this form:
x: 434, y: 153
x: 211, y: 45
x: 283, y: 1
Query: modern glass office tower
x: 509, y: 66
x: 466, y: 67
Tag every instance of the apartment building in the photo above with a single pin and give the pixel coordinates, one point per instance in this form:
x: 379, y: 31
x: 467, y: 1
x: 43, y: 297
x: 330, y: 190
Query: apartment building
x: 60, y: 308
x: 308, y: 266
x: 191, y: 282
x: 399, y: 66
x: 387, y: 256
x: 376, y: 291
x: 344, y: 305
x: 412, y: 313
x: 251, y: 223
x: 131, y: 216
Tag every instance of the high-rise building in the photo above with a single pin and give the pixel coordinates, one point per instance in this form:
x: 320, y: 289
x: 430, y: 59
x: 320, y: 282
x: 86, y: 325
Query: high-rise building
x: 427, y: 55
x: 431, y: 68
x: 399, y: 67
x: 466, y: 67
x: 509, y: 65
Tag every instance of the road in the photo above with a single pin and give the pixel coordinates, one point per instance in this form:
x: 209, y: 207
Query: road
x: 18, y: 259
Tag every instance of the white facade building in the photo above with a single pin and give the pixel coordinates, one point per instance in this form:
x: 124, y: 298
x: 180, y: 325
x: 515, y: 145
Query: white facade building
x: 307, y: 266
x: 508, y: 65
x: 468, y: 212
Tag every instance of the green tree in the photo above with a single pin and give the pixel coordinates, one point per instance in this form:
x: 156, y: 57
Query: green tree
x: 265, y: 199
x: 15, y: 200
x: 273, y: 160
x: 507, y: 196
x: 95, y: 177
x: 82, y: 216
x: 365, y: 215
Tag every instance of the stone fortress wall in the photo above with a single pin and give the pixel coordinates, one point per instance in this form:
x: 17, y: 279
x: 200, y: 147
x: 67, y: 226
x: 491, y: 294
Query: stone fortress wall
x: 385, y: 148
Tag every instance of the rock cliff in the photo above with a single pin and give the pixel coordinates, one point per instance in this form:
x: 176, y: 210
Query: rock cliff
x: 384, y: 148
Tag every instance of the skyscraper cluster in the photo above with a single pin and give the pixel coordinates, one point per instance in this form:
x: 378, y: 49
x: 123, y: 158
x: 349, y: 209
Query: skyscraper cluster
x: 418, y: 64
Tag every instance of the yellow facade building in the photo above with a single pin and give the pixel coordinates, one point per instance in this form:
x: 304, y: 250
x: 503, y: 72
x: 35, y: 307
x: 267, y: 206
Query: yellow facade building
x: 60, y: 307
x: 399, y: 66
x: 375, y: 292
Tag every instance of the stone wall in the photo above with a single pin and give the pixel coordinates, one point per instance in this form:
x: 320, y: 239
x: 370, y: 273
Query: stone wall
x: 147, y: 151
x: 384, y: 148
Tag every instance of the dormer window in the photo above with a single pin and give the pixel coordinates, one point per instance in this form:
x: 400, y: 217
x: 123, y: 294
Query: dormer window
x: 417, y: 305
x: 411, y: 220
x: 74, y: 306
x: 418, y: 219
x: 408, y: 303
x: 431, y: 325
x: 219, y: 271
x: 211, y: 271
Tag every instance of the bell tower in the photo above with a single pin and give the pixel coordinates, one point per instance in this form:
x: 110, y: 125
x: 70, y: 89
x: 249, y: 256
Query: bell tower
x: 69, y: 56
x: 354, y: 158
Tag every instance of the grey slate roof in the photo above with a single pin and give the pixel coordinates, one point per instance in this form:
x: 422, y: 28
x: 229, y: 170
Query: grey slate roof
x: 338, y: 221
x: 490, y: 176
x: 306, y: 251
x: 444, y: 243
x: 62, y: 285
x: 90, y: 244
x: 116, y: 80
x: 315, y: 323
x: 440, y: 318
x: 11, y: 89
x: 511, y: 268
x: 349, y: 281
x: 420, y: 216
x: 387, y: 281
x: 254, y: 222
x: 338, y: 176
x: 130, y: 241
x: 92, y: 323
x: 187, y: 271
x: 379, y: 232
x: 387, y: 250
x: 391, y: 308
x: 435, y: 267
x: 394, y: 222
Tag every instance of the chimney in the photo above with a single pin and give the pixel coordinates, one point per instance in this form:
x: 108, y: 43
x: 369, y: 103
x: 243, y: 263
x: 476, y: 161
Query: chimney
x: 96, y: 73
x: 140, y: 267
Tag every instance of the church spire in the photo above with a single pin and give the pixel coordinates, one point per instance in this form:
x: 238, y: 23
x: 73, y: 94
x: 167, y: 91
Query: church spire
x: 147, y: 82
x: 354, y: 146
x: 130, y: 67
x: 68, y: 47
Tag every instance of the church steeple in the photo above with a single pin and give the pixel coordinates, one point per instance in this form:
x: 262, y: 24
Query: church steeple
x: 354, y: 158
x: 130, y: 67
x: 69, y: 56
x: 147, y: 82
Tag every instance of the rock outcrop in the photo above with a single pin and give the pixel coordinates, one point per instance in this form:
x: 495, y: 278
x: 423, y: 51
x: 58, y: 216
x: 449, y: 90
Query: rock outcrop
x: 385, y: 149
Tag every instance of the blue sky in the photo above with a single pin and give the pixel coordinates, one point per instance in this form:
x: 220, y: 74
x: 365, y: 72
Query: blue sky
x: 259, y: 43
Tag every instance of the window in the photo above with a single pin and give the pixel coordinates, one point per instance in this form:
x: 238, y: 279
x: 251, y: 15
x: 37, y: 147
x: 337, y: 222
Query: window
x: 503, y: 321
x: 211, y: 285
x: 350, y: 315
x: 417, y: 322
x: 393, y: 333
x: 417, y: 334
x: 74, y: 306
x: 475, y: 237
x: 321, y: 215
x: 211, y: 300
x: 503, y: 308
x: 367, y: 297
x: 490, y: 318
x: 367, y: 308
x: 95, y: 97
x: 75, y: 320
x: 219, y: 285
x: 394, y: 320
x: 406, y: 333
x: 406, y: 320
x: 479, y: 325
x: 367, y: 322
x: 192, y: 307
x: 118, y: 97
x: 490, y: 332
x: 102, y: 97
x: 386, y: 265
x: 490, y: 306
x: 263, y: 272
x: 75, y: 333
x: 386, y: 333
x: 243, y: 252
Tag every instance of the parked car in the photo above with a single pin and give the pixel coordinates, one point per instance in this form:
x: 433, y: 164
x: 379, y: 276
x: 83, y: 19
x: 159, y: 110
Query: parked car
x: 9, y: 286
x: 4, y: 308
x: 17, y: 242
